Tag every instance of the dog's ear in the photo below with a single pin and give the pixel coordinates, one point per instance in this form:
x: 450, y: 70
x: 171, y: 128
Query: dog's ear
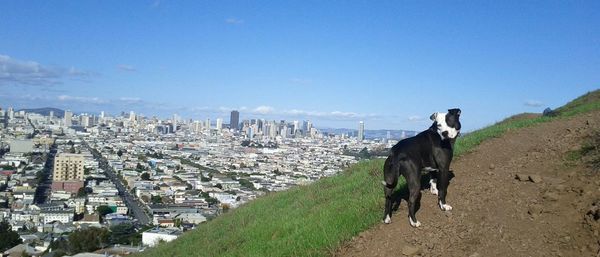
x: 455, y: 111
x: 433, y: 116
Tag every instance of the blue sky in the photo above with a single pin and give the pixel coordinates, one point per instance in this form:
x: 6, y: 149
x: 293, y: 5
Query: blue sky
x: 389, y: 63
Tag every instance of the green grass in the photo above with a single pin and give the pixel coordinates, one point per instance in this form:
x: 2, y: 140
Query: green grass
x: 583, y: 104
x: 314, y: 220
x: 303, y: 221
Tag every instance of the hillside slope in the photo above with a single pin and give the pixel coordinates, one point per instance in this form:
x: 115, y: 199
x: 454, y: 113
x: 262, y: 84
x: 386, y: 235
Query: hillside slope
x: 317, y: 219
x: 497, y: 214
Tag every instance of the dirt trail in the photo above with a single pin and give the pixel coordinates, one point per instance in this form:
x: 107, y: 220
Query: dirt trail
x: 497, y: 215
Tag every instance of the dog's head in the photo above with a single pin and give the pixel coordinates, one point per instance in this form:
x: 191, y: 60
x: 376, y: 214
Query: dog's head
x: 447, y: 124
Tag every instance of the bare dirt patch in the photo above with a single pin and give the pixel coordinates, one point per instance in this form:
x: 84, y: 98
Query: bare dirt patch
x: 522, y: 194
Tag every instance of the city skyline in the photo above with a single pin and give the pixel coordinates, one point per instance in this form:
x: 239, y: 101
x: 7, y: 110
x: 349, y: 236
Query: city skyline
x: 390, y: 64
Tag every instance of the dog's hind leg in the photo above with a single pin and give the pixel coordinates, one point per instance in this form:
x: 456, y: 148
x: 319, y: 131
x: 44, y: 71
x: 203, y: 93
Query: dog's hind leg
x: 433, y: 182
x: 413, y: 179
x: 390, y: 175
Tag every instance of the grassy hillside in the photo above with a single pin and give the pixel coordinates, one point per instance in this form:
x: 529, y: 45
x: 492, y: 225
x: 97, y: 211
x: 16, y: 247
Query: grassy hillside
x: 314, y: 220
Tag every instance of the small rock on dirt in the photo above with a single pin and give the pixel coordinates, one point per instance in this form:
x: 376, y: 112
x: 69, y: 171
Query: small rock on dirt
x: 535, y: 178
x: 411, y: 250
x: 560, y: 187
x: 521, y: 177
x: 492, y: 166
x: 475, y: 255
x: 534, y: 210
x: 551, y: 196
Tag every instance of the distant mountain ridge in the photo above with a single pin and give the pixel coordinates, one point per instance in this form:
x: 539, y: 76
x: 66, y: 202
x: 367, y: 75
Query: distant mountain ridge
x: 46, y: 111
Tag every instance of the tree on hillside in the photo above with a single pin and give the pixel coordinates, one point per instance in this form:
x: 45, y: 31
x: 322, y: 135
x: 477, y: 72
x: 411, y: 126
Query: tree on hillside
x: 81, y: 192
x: 123, y: 233
x: 145, y: 176
x: 88, y: 240
x: 156, y: 199
x: 139, y: 167
x: 119, y: 153
x: 9, y: 237
x: 364, y: 153
x: 102, y: 210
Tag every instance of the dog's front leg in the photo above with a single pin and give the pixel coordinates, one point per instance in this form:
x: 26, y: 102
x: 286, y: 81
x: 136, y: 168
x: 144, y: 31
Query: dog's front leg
x: 444, y: 178
x: 443, y: 157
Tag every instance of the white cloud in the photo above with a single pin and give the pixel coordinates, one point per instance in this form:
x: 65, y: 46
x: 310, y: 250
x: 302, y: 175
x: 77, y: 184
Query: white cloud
x: 415, y: 118
x: 130, y: 100
x: 125, y: 67
x: 263, y: 110
x: 18, y: 72
x: 82, y: 99
x: 155, y: 4
x: 234, y: 21
x: 533, y: 103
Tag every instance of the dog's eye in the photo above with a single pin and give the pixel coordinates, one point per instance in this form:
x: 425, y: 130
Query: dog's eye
x: 439, y: 125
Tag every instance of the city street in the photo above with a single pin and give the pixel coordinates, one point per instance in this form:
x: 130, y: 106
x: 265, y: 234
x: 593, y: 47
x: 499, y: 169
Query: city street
x: 135, y: 207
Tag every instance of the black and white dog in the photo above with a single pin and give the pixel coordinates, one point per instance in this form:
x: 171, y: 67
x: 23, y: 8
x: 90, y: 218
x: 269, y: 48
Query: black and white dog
x: 430, y: 150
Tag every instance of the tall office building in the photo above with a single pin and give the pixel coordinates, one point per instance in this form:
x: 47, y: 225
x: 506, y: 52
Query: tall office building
x: 68, y: 172
x: 11, y: 113
x: 361, y: 131
x: 132, y: 116
x: 234, y: 120
x: 197, y: 126
x: 273, y: 129
x: 219, y: 124
x: 296, y: 127
x: 307, y: 127
x: 207, y: 126
x: 68, y: 117
x: 250, y: 133
x: 85, y: 121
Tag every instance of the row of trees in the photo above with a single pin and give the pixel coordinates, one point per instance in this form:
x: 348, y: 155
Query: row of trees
x: 92, y: 239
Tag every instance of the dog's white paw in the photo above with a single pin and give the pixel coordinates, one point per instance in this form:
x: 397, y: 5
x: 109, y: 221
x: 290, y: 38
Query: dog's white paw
x: 433, y: 191
x: 433, y: 187
x: 387, y: 219
x: 445, y: 207
x: 414, y: 224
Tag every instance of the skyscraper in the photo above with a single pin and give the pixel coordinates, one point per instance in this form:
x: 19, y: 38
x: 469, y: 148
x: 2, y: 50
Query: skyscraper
x: 296, y: 127
x: 234, y: 121
x: 11, y: 113
x: 361, y: 131
x: 250, y: 133
x: 132, y: 116
x: 219, y: 124
x: 68, y: 117
x: 273, y: 130
x: 85, y: 120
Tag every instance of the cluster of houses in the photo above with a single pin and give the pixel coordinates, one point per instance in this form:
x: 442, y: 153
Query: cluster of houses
x: 180, y: 179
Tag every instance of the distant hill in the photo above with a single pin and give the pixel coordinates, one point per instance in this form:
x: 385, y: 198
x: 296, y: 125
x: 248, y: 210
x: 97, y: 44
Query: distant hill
x: 371, y: 134
x: 46, y: 111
